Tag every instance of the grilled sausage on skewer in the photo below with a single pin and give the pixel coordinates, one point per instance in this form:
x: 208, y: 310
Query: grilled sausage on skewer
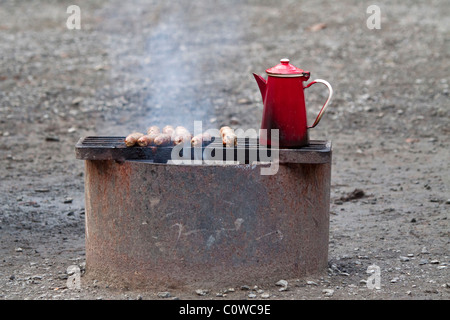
x: 229, y: 138
x: 181, y: 130
x: 147, y: 139
x: 132, y: 138
x: 163, y: 139
x: 199, y: 139
x: 181, y: 135
x: 169, y: 130
x: 182, y: 138
x: 153, y: 129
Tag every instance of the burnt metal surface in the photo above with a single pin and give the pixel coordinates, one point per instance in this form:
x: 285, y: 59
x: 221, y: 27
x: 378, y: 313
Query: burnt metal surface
x: 114, y: 148
x: 171, y: 226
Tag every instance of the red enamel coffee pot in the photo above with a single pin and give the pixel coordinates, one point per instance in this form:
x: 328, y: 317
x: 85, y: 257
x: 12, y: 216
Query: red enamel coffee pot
x: 284, y: 105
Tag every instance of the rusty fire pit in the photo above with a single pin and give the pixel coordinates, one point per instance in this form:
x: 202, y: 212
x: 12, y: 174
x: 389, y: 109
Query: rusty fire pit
x: 162, y: 225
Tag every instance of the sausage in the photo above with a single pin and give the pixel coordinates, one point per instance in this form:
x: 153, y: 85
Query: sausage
x: 132, y: 138
x: 153, y: 129
x: 199, y: 139
x: 162, y: 139
x: 225, y: 128
x: 229, y: 138
x: 181, y: 135
x: 169, y: 130
x: 182, y: 138
x: 147, y: 139
x: 181, y: 130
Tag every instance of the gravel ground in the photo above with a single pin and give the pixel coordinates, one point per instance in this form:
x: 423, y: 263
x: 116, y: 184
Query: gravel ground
x: 153, y: 61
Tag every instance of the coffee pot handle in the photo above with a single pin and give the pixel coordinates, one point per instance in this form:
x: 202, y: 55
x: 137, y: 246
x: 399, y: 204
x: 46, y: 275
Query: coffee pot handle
x: 319, y: 116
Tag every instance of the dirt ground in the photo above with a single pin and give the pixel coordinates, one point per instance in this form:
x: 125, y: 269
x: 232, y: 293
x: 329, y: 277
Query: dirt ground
x: 140, y: 62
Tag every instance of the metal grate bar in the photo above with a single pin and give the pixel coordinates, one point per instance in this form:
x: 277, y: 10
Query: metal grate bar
x: 114, y: 148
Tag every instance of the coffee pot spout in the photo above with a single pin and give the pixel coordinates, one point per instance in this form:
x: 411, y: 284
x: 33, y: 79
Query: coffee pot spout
x: 262, y: 84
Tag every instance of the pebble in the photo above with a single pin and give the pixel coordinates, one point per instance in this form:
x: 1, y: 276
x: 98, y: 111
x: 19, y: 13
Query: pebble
x: 328, y: 292
x: 52, y: 139
x: 244, y: 287
x: 265, y: 295
x: 68, y: 200
x: 252, y: 295
x: 77, y: 101
x: 18, y: 249
x: 404, y: 259
x: 423, y: 261
x: 283, y: 284
x: 164, y: 294
x: 434, y: 261
x: 311, y: 283
x: 201, y: 292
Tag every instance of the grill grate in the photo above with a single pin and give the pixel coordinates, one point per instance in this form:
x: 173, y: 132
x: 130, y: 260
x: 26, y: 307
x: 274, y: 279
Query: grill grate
x: 114, y: 148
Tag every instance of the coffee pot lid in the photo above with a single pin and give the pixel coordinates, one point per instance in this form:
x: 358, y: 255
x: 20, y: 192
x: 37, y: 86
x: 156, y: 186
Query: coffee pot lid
x: 285, y: 69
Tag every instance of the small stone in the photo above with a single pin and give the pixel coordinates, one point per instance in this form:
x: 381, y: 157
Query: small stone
x: 252, y: 295
x: 434, y: 261
x: 423, y: 261
x: 234, y: 121
x: 244, y: 287
x: 424, y: 250
x: 52, y: 139
x: 12, y: 277
x: 441, y: 267
x: 282, y: 283
x: 18, y: 249
x: 265, y: 295
x: 164, y: 294
x: 71, y: 130
x: 68, y: 200
x: 311, y: 283
x: 244, y: 101
x: 404, y: 259
x: 77, y: 100
x: 201, y: 292
x: 328, y: 292
x: 447, y: 201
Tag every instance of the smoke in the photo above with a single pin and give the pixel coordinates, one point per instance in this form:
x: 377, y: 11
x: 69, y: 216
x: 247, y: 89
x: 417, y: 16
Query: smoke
x: 178, y: 48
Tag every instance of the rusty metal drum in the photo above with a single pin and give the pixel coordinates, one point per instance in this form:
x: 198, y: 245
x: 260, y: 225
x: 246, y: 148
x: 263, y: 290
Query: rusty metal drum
x: 153, y: 225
